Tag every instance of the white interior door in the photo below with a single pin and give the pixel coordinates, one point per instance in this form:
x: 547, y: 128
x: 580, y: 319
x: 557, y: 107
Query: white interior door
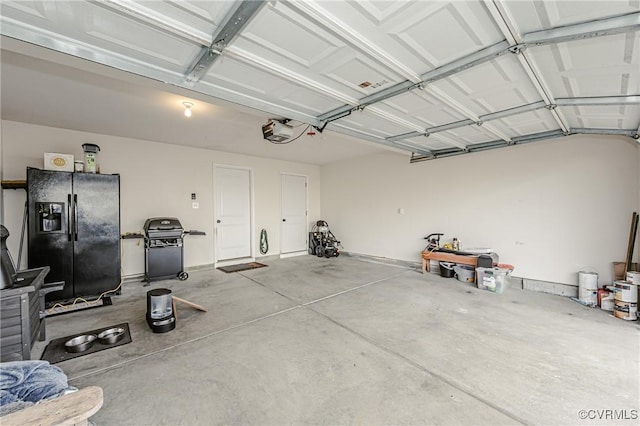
x: 294, y: 214
x: 232, y: 213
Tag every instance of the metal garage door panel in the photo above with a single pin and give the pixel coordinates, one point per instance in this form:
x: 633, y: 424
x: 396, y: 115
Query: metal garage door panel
x: 409, y: 122
x: 278, y: 31
x: 359, y: 72
x: 362, y: 121
x: 430, y: 143
x: 306, y: 100
x: 412, y: 32
x: 87, y: 24
x: 255, y: 83
x: 468, y: 135
x: 493, y: 86
x: 603, y: 66
x: 293, y: 42
x: 532, y: 15
x: 527, y: 123
x: 603, y: 117
x: 467, y: 25
x: 423, y: 109
x: 198, y: 17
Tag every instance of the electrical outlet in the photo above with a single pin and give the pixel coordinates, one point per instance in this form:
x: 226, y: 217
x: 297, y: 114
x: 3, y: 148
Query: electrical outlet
x: 193, y: 195
x: 195, y: 205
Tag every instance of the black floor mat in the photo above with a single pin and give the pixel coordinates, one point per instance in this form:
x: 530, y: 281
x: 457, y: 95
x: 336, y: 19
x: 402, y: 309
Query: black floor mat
x: 241, y: 267
x: 55, y: 351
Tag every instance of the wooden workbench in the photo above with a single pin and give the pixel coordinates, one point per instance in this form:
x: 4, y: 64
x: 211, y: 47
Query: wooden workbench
x: 471, y: 260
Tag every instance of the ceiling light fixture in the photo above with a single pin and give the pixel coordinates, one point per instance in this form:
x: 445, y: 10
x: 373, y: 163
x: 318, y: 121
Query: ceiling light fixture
x: 187, y: 108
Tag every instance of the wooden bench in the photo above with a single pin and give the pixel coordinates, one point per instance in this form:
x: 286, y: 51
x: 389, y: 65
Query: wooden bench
x: 470, y: 260
x: 71, y: 409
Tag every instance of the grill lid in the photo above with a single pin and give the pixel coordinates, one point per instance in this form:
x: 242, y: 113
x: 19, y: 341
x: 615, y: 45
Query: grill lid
x: 162, y: 224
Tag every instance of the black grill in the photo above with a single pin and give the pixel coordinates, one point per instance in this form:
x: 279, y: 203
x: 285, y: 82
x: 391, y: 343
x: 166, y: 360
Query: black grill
x: 163, y: 231
x: 164, y: 256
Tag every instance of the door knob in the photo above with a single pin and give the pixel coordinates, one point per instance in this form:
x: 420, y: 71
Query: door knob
x: 218, y: 221
x: 284, y: 220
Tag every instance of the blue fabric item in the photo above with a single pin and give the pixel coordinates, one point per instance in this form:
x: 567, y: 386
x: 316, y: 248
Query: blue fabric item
x: 30, y: 381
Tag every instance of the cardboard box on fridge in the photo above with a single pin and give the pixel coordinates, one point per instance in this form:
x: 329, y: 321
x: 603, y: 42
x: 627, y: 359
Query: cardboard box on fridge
x: 60, y: 162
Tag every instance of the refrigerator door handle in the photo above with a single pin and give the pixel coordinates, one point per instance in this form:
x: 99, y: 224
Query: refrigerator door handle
x: 69, y: 217
x: 75, y: 216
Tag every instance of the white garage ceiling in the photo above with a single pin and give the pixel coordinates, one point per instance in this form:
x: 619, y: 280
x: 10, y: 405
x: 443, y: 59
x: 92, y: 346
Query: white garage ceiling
x: 434, y: 78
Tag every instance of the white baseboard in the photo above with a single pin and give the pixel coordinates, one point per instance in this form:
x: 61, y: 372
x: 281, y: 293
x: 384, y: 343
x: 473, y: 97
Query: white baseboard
x: 294, y: 254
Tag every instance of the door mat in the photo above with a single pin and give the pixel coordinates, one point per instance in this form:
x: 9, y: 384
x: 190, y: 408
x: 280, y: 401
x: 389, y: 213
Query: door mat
x: 55, y: 351
x: 61, y: 308
x: 241, y: 267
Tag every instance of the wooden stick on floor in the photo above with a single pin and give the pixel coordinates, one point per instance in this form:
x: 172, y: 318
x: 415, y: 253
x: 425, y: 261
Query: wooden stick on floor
x: 193, y: 305
x: 632, y: 240
x: 173, y: 306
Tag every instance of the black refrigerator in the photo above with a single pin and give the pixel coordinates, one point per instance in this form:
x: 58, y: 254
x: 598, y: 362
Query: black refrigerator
x: 74, y: 228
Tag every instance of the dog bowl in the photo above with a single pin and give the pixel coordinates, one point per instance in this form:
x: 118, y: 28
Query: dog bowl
x: 80, y: 343
x: 111, y: 336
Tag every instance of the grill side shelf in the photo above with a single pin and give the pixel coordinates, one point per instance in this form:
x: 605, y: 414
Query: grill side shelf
x: 131, y: 235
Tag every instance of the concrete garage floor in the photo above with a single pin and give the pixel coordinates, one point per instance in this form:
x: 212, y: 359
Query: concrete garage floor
x: 347, y: 341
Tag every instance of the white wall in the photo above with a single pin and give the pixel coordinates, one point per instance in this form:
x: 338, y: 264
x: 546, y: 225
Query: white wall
x: 550, y: 208
x: 156, y: 179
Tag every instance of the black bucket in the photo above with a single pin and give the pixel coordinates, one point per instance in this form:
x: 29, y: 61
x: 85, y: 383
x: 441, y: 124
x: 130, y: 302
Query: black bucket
x: 446, y: 269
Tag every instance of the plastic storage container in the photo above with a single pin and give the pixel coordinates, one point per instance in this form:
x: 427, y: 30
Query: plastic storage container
x: 493, y: 279
x: 465, y: 273
x: 91, y: 151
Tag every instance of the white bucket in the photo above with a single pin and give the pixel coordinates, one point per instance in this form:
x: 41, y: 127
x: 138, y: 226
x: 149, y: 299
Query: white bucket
x: 626, y: 310
x: 633, y: 277
x: 625, y: 291
x: 588, y: 287
x: 607, y: 303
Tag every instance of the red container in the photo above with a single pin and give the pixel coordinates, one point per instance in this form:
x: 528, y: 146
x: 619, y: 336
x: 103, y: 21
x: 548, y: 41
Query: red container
x: 602, y: 293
